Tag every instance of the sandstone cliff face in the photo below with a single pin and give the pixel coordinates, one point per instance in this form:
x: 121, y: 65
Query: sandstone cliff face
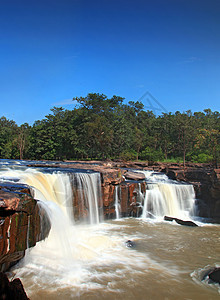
x: 130, y: 194
x: 130, y: 198
x: 21, y: 223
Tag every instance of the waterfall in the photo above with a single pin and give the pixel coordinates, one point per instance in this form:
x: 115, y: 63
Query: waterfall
x: 117, y: 205
x: 55, y: 191
x: 167, y: 197
x: 89, y: 192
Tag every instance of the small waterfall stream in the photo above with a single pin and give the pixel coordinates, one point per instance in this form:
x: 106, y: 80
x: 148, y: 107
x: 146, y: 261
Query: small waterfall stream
x: 117, y: 205
x: 89, y: 190
x: 167, y: 197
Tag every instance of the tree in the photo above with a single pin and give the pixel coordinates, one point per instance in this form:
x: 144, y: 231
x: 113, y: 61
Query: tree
x: 8, y: 131
x: 185, y: 133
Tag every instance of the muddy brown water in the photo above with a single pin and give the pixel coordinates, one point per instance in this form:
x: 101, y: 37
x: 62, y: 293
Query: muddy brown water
x: 167, y: 263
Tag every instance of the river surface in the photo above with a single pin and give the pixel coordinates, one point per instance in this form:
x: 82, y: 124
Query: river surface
x: 167, y: 262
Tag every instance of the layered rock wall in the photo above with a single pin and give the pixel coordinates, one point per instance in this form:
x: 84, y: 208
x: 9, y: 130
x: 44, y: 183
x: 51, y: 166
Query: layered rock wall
x: 22, y: 223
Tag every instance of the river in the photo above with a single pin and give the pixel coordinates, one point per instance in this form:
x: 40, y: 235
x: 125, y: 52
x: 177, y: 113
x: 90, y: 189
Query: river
x: 166, y: 263
x: 91, y: 261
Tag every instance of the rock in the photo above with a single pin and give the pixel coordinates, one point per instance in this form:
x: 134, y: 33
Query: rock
x: 181, y: 222
x: 13, y: 290
x: 130, y: 244
x: 134, y: 176
x: 21, y: 223
x: 8, y: 201
x: 214, y: 275
x: 166, y: 218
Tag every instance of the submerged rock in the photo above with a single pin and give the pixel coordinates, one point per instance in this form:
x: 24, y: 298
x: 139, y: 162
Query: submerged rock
x: 11, y: 289
x: 181, y: 222
x: 130, y: 244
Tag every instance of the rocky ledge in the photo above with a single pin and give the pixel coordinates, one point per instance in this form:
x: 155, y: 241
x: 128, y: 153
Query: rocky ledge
x: 20, y: 223
x: 204, y: 177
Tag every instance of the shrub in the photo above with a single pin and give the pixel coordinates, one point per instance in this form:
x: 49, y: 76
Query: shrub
x: 151, y: 154
x: 128, y: 155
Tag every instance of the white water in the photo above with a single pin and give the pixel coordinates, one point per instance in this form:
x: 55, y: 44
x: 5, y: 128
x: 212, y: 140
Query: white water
x: 117, y: 205
x: 89, y: 186
x: 167, y: 197
x: 68, y: 257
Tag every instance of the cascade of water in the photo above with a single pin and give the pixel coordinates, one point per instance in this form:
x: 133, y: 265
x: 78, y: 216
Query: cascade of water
x: 152, y: 176
x: 174, y: 200
x: 89, y: 189
x: 55, y: 192
x: 56, y: 198
x: 166, y: 197
x: 117, y: 205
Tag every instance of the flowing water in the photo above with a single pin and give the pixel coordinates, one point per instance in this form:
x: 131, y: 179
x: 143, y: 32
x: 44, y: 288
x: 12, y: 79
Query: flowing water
x: 91, y: 261
x: 167, y: 197
x: 117, y: 205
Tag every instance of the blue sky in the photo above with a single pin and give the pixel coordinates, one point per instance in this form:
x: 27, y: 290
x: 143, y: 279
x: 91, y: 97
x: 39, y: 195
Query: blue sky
x: 54, y: 50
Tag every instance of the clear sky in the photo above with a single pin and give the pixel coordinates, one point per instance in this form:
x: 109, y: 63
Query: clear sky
x: 54, y: 50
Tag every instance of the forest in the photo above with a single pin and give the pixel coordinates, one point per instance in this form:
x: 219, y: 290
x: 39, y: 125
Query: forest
x: 103, y: 128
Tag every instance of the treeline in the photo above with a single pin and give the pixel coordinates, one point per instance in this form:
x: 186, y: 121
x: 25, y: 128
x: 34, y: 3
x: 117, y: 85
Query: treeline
x: 103, y: 128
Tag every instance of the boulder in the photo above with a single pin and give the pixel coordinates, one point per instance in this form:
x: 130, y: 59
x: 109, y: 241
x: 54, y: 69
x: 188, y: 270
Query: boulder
x: 134, y: 176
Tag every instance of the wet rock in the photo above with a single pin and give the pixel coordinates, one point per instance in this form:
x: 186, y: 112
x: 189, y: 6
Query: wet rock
x: 130, y: 244
x: 214, y: 275
x: 181, y: 222
x: 13, y: 290
x: 22, y: 223
x: 134, y: 176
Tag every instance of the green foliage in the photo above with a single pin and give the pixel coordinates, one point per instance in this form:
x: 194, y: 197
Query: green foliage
x: 151, y: 154
x: 202, y: 158
x: 101, y: 128
x: 128, y: 155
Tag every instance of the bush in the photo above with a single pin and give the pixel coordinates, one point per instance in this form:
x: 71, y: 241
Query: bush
x: 128, y: 155
x: 151, y: 154
x: 202, y: 158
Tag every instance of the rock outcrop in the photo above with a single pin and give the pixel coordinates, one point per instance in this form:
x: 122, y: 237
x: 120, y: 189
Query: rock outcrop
x: 21, y: 223
x: 204, y: 177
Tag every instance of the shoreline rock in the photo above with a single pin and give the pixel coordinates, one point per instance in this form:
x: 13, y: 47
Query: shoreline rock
x: 11, y: 289
x: 20, y: 223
